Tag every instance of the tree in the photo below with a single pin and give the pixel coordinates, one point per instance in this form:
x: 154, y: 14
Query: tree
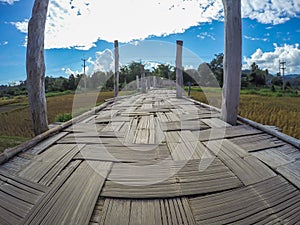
x: 254, y: 67
x: 257, y: 76
x: 35, y: 66
x: 163, y: 71
x: 232, y: 61
x: 72, y: 82
x: 216, y: 66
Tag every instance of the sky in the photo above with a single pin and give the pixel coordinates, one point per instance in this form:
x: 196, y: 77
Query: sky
x: 147, y: 31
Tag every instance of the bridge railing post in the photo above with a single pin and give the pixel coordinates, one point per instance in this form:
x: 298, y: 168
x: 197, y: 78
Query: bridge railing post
x: 232, y: 61
x: 179, y: 76
x: 116, y: 75
x: 143, y: 80
x: 137, y: 83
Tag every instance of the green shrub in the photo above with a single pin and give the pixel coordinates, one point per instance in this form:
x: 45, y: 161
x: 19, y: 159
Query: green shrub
x: 63, y: 117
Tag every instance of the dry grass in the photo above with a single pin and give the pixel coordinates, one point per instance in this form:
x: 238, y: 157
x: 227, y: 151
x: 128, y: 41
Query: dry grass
x: 18, y: 122
x: 283, y: 112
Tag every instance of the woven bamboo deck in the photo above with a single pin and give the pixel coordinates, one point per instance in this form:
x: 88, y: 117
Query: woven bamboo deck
x: 153, y: 159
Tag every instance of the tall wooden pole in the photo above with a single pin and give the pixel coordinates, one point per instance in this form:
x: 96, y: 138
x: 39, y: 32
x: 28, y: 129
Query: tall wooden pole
x: 116, y: 77
x: 137, y: 82
x: 232, y: 61
x: 35, y: 66
x: 143, y: 80
x: 154, y: 81
x: 179, y: 78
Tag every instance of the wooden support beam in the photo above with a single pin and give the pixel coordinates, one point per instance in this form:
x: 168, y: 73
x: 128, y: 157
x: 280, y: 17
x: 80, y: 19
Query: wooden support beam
x: 143, y: 80
x: 35, y: 66
x: 179, y: 76
x: 154, y: 81
x: 232, y: 61
x: 137, y: 82
x: 116, y: 78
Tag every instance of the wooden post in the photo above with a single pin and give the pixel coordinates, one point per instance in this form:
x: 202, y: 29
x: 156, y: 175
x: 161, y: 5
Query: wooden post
x: 143, y: 80
x: 189, y: 89
x: 232, y: 61
x: 148, y: 82
x: 35, y: 66
x: 116, y: 78
x: 137, y: 82
x: 179, y: 78
x: 154, y: 82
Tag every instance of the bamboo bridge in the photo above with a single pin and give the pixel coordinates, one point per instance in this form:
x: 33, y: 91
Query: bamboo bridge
x: 151, y: 158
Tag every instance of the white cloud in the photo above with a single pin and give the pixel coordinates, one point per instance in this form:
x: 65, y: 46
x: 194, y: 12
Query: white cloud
x: 270, y: 60
x: 21, y: 26
x: 255, y: 38
x: 204, y: 35
x: 104, y: 61
x: 9, y: 1
x: 270, y: 11
x: 69, y: 71
x: 80, y: 23
x: 4, y: 43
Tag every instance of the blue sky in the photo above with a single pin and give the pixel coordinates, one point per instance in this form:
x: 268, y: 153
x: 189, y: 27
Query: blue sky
x: 147, y: 30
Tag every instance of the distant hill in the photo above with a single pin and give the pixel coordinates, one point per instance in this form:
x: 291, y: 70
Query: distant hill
x: 294, y: 80
x: 291, y: 76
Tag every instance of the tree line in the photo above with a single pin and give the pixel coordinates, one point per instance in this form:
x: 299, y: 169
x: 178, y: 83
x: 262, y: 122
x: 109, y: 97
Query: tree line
x: 253, y: 77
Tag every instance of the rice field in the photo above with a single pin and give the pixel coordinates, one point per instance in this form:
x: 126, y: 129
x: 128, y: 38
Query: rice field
x: 282, y: 112
x: 15, y: 120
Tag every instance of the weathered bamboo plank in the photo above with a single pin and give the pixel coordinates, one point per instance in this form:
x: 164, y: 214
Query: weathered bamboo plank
x: 47, y: 166
x: 225, y: 132
x: 174, y: 211
x: 23, y: 183
x: 246, y: 205
x: 273, y: 157
x: 257, y: 142
x: 133, y: 181
x: 291, y: 171
x: 76, y: 193
x: 215, y: 123
x: 39, y: 148
x: 8, y: 218
x: 248, y: 168
x: 121, y: 153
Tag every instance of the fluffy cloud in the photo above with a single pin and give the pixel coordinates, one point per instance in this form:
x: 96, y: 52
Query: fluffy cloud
x: 104, y: 61
x: 270, y: 11
x: 83, y: 22
x: 21, y: 26
x: 80, y: 23
x: 69, y: 71
x: 270, y: 60
x: 9, y: 1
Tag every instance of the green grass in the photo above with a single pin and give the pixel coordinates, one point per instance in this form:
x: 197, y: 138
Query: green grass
x: 269, y: 93
x: 12, y: 100
x: 204, y: 89
x: 53, y: 94
x: 63, y: 117
x: 9, y: 142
